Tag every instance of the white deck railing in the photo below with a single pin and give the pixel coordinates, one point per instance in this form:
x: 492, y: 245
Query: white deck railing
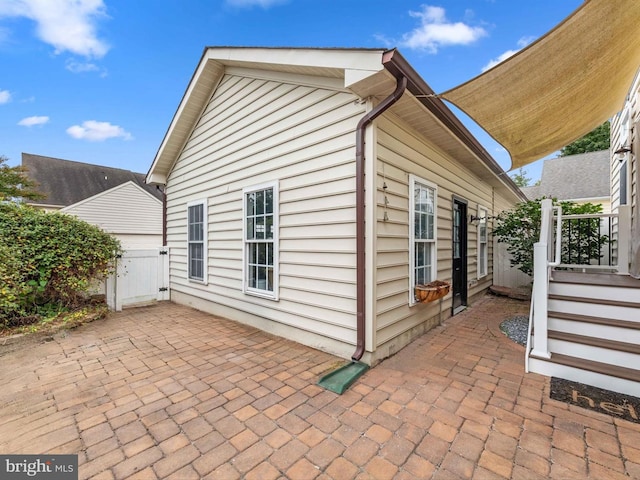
x: 548, y: 253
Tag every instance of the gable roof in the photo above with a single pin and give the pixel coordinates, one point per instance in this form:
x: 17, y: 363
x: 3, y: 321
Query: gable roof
x: 367, y: 73
x: 65, y: 182
x: 123, y: 186
x: 573, y: 177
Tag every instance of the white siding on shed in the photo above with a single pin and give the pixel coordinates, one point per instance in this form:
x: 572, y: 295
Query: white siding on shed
x: 126, y: 211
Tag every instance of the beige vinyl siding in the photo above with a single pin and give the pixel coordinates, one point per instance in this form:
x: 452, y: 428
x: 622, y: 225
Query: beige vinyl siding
x: 400, y: 152
x: 624, y: 133
x: 620, y: 136
x: 255, y: 131
x: 126, y: 209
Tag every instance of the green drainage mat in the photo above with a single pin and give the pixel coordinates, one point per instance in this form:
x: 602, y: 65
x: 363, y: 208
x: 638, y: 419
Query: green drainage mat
x: 339, y: 380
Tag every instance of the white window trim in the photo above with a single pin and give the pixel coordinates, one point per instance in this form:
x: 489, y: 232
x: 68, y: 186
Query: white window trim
x: 275, y: 295
x: 413, y: 179
x: 205, y: 243
x: 483, y: 215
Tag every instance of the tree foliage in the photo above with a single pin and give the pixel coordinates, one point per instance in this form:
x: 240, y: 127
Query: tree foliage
x: 519, y: 228
x: 594, y: 141
x: 48, y: 260
x: 15, y: 184
x: 520, y: 178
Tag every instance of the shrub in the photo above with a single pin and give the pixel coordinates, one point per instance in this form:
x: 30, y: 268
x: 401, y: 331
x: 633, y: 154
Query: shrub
x: 48, y: 260
x: 520, y: 229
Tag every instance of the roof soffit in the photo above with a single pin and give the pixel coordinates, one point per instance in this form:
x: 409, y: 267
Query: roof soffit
x: 417, y: 110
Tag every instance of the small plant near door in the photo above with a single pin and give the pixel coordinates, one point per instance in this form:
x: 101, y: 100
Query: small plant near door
x: 47, y: 263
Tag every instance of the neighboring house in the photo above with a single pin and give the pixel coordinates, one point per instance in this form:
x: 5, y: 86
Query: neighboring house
x: 581, y: 178
x: 586, y: 318
x: 310, y: 190
x: 118, y: 201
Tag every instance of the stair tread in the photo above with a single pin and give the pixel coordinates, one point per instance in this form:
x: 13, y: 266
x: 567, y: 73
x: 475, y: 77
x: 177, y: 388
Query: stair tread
x: 611, y: 322
x: 598, y: 301
x: 592, y: 366
x: 602, y: 279
x: 595, y: 341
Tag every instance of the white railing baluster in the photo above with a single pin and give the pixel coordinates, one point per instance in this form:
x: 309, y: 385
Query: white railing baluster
x: 547, y: 254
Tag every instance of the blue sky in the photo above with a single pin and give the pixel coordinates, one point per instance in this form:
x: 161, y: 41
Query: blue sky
x: 98, y: 81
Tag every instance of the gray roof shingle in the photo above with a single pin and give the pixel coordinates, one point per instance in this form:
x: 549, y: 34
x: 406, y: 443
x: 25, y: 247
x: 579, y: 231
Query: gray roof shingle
x: 65, y: 182
x: 584, y: 175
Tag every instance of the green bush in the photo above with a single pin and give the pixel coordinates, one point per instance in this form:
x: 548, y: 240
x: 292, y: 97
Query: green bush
x: 48, y: 260
x: 519, y: 228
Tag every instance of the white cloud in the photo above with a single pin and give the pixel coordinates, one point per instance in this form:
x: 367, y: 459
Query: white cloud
x: 253, y: 3
x: 81, y: 67
x: 499, y: 59
x: 5, y: 96
x: 67, y: 25
x: 436, y: 31
x: 98, y: 131
x: 35, y: 120
x: 523, y: 42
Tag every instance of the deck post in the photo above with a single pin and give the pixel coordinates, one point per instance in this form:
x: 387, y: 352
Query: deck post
x: 542, y: 253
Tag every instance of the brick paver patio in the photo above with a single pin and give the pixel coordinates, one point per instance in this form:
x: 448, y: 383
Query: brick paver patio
x: 170, y: 392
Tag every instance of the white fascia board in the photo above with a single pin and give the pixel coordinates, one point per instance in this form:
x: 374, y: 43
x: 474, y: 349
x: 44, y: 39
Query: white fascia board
x: 368, y: 60
x: 156, y: 179
x: 207, y: 75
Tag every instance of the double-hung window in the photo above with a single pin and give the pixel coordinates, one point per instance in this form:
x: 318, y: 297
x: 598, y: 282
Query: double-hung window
x: 423, y: 232
x: 483, y: 249
x: 197, y: 240
x: 261, y: 240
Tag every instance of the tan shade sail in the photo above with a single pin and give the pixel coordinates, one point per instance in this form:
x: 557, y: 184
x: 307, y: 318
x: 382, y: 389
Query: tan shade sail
x: 560, y: 87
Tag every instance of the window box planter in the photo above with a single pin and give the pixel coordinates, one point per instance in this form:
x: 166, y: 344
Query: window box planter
x: 431, y: 291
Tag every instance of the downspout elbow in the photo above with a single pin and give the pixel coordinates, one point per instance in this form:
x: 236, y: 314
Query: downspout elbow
x: 364, y: 122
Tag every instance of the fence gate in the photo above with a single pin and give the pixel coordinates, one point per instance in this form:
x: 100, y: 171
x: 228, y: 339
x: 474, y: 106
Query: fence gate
x: 141, y: 278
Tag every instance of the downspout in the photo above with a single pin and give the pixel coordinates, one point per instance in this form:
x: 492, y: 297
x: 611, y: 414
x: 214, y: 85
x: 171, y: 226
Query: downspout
x: 164, y: 215
x: 360, y: 211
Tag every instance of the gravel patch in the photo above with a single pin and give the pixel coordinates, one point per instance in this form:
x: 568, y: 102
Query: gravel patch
x: 516, y: 328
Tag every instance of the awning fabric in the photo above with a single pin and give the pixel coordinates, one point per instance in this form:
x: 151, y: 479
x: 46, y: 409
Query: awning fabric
x: 560, y: 87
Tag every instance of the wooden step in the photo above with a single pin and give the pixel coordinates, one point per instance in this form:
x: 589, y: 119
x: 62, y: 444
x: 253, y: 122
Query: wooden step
x: 617, y: 379
x: 603, y: 279
x: 598, y: 301
x: 595, y: 342
x: 609, y: 322
x: 595, y: 367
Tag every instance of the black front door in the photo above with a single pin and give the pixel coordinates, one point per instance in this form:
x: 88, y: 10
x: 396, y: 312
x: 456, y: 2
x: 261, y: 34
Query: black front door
x: 459, y: 255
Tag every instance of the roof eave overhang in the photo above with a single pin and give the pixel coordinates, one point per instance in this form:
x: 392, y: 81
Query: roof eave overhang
x: 353, y: 65
x: 395, y: 63
x: 205, y: 78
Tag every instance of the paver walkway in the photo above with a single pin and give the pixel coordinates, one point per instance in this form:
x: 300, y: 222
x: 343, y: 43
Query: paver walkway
x: 169, y: 392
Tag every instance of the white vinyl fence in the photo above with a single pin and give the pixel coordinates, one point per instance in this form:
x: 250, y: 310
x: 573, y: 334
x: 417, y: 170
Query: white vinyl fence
x: 141, y: 278
x: 504, y: 274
